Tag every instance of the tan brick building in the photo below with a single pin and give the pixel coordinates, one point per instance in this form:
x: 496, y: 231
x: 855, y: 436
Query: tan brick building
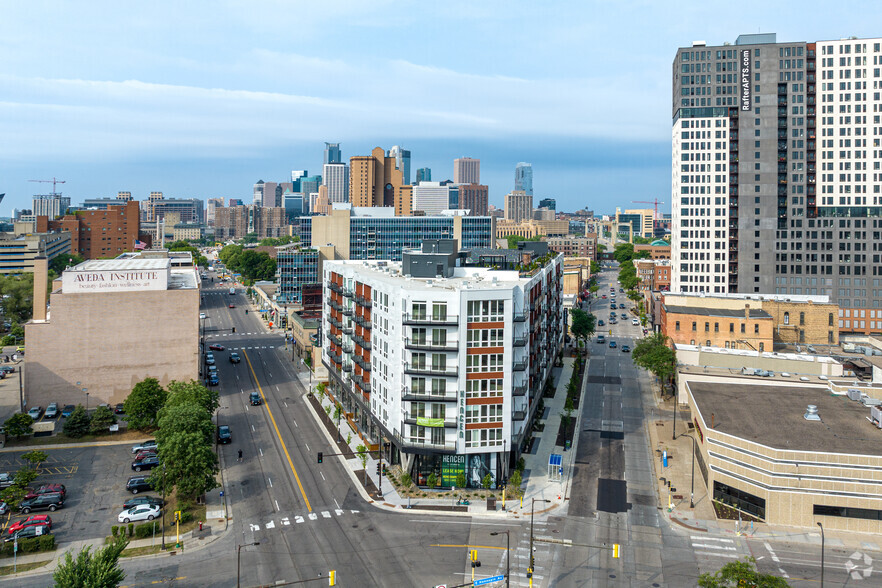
x: 234, y: 222
x: 375, y: 180
x: 113, y: 323
x: 758, y: 453
x: 531, y: 228
x: 657, y: 249
x: 98, y: 233
x: 473, y: 197
x: 714, y: 326
x: 573, y: 246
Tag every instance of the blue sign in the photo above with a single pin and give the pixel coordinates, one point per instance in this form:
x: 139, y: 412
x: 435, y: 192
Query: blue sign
x: 488, y: 580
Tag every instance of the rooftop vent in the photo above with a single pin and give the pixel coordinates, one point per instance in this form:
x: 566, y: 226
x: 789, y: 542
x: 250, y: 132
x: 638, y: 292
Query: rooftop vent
x: 811, y: 413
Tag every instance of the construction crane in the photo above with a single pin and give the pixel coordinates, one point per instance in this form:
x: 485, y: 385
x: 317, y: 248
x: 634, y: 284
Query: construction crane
x: 656, y: 202
x: 53, y: 181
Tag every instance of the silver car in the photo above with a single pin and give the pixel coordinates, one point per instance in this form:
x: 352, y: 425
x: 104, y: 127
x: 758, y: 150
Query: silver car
x: 52, y: 410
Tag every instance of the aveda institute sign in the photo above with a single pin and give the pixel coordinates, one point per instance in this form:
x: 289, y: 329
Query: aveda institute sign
x: 114, y: 280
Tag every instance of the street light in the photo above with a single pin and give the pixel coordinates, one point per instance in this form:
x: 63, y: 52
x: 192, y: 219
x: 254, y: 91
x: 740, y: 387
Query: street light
x: 239, y: 557
x: 822, y: 553
x: 532, y: 509
x: 86, y: 392
x: 692, y: 490
x: 507, y: 554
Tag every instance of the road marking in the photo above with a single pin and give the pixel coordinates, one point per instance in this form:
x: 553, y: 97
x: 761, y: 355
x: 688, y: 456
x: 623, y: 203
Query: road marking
x: 279, y: 435
x: 295, y: 422
x: 323, y: 476
x: 254, y: 527
x: 457, y: 522
x: 312, y: 516
x: 252, y: 428
x: 285, y: 521
x: 712, y: 546
x: 277, y: 506
x: 298, y: 519
x: 270, y: 525
x: 261, y: 451
x: 717, y: 554
x: 720, y: 539
x: 307, y: 447
x: 338, y: 505
x: 338, y: 512
x: 771, y: 553
x: 270, y: 480
x: 164, y: 580
x: 326, y: 514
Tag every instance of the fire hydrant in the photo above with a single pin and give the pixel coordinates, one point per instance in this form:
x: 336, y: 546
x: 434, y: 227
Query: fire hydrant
x: 200, y: 525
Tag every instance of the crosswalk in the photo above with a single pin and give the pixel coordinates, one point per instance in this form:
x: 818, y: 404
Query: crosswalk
x: 715, y: 547
x: 209, y: 336
x: 293, y: 520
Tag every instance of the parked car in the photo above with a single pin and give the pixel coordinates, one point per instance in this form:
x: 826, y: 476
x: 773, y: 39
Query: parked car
x: 612, y: 344
x: 145, y: 454
x: 224, y: 435
x: 48, y: 489
x: 139, y: 500
x: 234, y: 357
x: 52, y: 502
x: 6, y: 480
x: 142, y: 512
x: 635, y: 322
x: 255, y: 399
x: 35, y: 413
x: 202, y: 315
x: 625, y: 349
x: 68, y: 410
x: 624, y: 315
x: 119, y: 409
x: 52, y: 410
x: 216, y: 347
x: 28, y: 533
x: 213, y: 380
x: 148, y: 463
x: 612, y: 305
x: 138, y: 484
x: 209, y: 358
x: 146, y: 445
x: 600, y: 323
x: 7, y: 369
x: 31, y: 521
x: 232, y: 305
x: 212, y: 369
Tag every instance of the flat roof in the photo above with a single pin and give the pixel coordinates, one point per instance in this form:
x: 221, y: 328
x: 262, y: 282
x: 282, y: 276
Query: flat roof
x: 122, y: 264
x: 755, y: 313
x: 773, y: 416
x: 476, y: 278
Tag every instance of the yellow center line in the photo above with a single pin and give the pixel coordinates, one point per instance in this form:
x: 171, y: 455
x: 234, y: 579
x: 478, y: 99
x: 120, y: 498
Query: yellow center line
x: 278, y: 434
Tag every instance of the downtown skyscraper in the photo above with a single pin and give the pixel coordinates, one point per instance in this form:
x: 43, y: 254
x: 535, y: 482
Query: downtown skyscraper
x: 524, y: 178
x: 776, y: 171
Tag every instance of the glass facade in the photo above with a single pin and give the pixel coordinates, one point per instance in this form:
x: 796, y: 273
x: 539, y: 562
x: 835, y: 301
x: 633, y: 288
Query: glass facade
x: 295, y: 267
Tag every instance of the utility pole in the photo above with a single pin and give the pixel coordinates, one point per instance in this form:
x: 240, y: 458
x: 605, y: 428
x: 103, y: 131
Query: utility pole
x: 507, y: 555
x: 532, y: 509
x: 239, y: 558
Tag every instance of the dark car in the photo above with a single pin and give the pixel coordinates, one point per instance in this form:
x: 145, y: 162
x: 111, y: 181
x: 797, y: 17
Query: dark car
x: 138, y: 484
x: 29, y: 532
x: 625, y: 349
x: 68, y: 410
x: 148, y: 463
x: 216, y: 347
x: 255, y: 399
x: 624, y: 315
x: 31, y: 521
x: 48, y: 489
x: 139, y: 500
x: 234, y: 357
x: 8, y: 369
x: 223, y: 434
x: 119, y: 409
x: 212, y: 380
x: 51, y: 502
x: 145, y: 454
x: 612, y: 344
x: 600, y: 323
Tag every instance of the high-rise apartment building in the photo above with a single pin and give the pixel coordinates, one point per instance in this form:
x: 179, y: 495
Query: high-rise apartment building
x: 775, y: 158
x: 549, y: 203
x: 466, y: 170
x: 51, y: 205
x: 376, y: 180
x: 424, y: 174
x: 212, y: 205
x: 473, y: 197
x: 524, y: 178
x: 235, y: 222
x: 431, y: 198
x: 332, y: 154
x: 447, y: 363
x: 336, y: 178
x: 98, y: 233
x: 518, y: 206
x: 402, y: 161
x: 190, y: 210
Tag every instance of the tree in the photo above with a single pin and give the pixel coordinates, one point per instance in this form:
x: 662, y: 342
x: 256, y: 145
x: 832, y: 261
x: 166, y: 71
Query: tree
x: 17, y: 300
x: 623, y: 252
x: 651, y: 353
x: 77, y: 424
x: 185, y: 417
x: 19, y: 425
x: 88, y: 570
x: 568, y: 409
x: 487, y: 481
x: 192, y: 392
x: 62, y: 262
x: 738, y: 574
x: 513, y: 240
x: 362, y: 454
x: 583, y: 324
x: 514, y: 483
x: 19, y: 488
x: 143, y: 404
x: 190, y: 464
x: 35, y: 458
x: 595, y: 267
x: 102, y: 419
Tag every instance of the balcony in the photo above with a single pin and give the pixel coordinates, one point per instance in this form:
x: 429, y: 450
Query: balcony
x: 422, y: 446
x: 346, y: 348
x: 520, y: 341
x: 363, y: 302
x: 519, y: 366
x: 359, y: 340
x: 426, y: 345
x: 519, y: 317
x: 347, y: 367
x: 424, y: 319
x: 335, y: 287
x: 347, y: 312
x: 423, y: 395
x: 347, y: 330
x: 519, y: 415
x: 335, y: 305
x: 422, y: 421
x: 335, y: 339
x: 519, y: 389
x: 347, y: 293
x: 335, y: 358
x: 429, y: 370
x: 365, y: 387
x: 362, y: 322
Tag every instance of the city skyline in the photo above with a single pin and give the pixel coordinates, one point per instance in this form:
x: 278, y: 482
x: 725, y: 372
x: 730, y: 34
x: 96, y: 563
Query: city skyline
x: 163, y: 104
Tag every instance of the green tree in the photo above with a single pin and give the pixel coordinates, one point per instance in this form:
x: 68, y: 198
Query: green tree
x: 19, y: 425
x: 17, y: 297
x: 62, y: 262
x: 77, y: 424
x: 461, y: 480
x: 362, y: 453
x: 595, y: 267
x: 19, y: 488
x: 623, y: 252
x: 737, y: 574
x: 184, y: 417
x: 513, y: 240
x: 92, y: 570
x: 514, y: 484
x: 568, y: 409
x: 192, y: 392
x: 143, y: 404
x: 35, y: 458
x: 583, y: 324
x: 487, y: 482
x: 651, y: 353
x: 190, y: 464
x: 102, y: 418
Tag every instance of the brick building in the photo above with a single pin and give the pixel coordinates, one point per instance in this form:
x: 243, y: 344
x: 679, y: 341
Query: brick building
x: 98, y: 233
x: 473, y: 197
x: 573, y: 246
x: 660, y: 249
x: 234, y: 222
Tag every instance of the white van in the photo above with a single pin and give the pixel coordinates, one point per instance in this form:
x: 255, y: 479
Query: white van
x: 232, y: 291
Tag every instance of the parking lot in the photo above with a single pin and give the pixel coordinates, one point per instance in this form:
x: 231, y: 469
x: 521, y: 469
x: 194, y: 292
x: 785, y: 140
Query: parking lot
x: 95, y: 478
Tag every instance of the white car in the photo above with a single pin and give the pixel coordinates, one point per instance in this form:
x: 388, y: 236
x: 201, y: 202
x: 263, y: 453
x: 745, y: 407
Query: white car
x: 142, y: 512
x: 202, y: 315
x: 635, y: 322
x: 145, y: 446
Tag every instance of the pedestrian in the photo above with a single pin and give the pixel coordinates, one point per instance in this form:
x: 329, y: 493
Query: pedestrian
x: 240, y: 455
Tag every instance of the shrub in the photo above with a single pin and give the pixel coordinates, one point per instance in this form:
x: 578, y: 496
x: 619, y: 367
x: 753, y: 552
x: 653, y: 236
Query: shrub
x: 432, y: 481
x: 114, y: 530
x: 131, y: 529
x: 460, y: 480
x: 406, y: 480
x: 487, y: 482
x: 146, y: 530
x: 521, y: 464
x: 514, y: 483
x: 186, y: 517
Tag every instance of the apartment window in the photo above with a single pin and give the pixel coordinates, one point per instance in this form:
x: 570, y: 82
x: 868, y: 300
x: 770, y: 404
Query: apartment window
x: 483, y: 388
x: 484, y: 413
x: 485, y: 310
x: 756, y: 329
x: 830, y: 320
x: 716, y: 327
x: 488, y: 362
x: 694, y: 326
x: 484, y: 437
x: 786, y: 318
x: 439, y: 311
x: 419, y: 336
x: 677, y: 326
x: 762, y: 345
x: 707, y: 327
x: 418, y: 309
x: 802, y: 318
x: 802, y: 336
x: 731, y: 327
x: 742, y: 328
x: 485, y: 337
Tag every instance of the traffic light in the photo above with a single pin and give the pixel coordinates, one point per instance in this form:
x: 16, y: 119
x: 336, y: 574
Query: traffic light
x: 378, y: 468
x: 475, y: 562
x: 616, y: 550
x: 332, y: 578
x: 234, y: 329
x: 320, y: 457
x: 246, y: 311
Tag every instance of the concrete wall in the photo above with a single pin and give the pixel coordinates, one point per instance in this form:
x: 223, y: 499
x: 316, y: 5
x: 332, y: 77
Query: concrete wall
x: 109, y: 342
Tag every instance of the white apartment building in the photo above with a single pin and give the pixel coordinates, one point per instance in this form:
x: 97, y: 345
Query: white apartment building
x: 447, y: 369
x: 431, y: 197
x: 336, y: 178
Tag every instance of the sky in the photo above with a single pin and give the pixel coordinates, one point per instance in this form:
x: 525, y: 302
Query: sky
x: 202, y: 99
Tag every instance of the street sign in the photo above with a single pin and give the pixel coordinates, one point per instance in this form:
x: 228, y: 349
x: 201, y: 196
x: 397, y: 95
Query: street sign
x: 486, y: 581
